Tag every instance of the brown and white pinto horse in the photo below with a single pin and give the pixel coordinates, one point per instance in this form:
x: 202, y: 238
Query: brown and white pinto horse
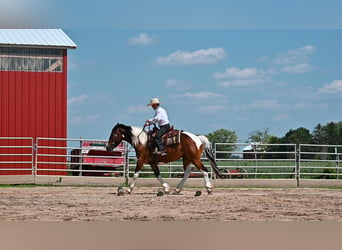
x: 190, y: 149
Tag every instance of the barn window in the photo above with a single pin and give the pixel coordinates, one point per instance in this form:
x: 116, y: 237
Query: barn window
x: 31, y: 59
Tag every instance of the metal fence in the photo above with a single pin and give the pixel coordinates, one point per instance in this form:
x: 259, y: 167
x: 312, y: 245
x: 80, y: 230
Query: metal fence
x: 74, y: 157
x: 320, y: 161
x: 54, y: 156
x: 258, y: 161
x: 16, y: 155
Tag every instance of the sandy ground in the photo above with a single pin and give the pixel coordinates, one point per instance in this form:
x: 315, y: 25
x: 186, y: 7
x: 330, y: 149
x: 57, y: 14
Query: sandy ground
x: 103, y: 204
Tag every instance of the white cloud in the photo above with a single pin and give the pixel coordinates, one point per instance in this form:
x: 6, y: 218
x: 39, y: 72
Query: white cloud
x: 304, y: 106
x: 74, y: 63
x: 99, y: 98
x: 240, y: 83
x: 137, y: 109
x: 237, y: 73
x: 281, y: 117
x: 78, y: 99
x: 177, y: 84
x: 202, y: 56
x: 143, y: 39
x: 263, y: 104
x: 295, y: 56
x: 332, y: 88
x: 309, y: 106
x: 211, y: 108
x: 202, y: 95
x: 295, y: 61
x: 236, y: 77
x: 297, y: 68
x: 84, y: 119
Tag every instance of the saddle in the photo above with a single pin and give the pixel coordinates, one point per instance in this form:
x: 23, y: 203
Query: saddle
x: 171, y: 137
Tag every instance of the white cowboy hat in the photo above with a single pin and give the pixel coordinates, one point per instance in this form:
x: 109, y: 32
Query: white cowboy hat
x: 153, y: 101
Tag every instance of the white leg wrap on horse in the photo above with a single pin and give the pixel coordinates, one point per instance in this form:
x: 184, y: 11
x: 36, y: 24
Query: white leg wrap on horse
x: 166, y: 187
x: 164, y: 184
x: 135, y: 177
x: 208, y: 184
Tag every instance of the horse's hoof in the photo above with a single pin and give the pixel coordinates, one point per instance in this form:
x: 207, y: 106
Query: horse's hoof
x: 210, y: 192
x: 121, y: 191
x: 198, y: 193
x: 177, y: 192
x: 166, y: 188
x: 160, y: 193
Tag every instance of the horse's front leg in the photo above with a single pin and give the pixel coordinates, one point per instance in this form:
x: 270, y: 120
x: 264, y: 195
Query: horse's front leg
x: 160, y: 179
x: 138, y: 168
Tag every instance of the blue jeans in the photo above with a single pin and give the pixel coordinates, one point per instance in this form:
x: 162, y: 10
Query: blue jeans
x: 162, y: 130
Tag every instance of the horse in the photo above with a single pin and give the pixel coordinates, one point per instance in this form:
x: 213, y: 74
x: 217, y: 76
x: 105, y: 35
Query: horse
x: 190, y: 149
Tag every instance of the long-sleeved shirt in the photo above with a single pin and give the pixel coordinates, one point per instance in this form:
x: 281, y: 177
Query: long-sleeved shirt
x: 160, y: 117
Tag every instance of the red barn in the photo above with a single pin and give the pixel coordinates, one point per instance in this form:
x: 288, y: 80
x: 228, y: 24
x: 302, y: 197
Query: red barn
x: 33, y: 93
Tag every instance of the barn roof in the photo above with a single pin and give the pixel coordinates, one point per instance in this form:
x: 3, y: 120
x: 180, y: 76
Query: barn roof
x: 36, y: 38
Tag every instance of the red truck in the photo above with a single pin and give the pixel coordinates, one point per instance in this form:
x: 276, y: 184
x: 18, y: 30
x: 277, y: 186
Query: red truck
x: 92, y: 159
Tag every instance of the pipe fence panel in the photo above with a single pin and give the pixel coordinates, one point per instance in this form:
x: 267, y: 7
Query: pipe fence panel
x: 320, y: 161
x: 16, y: 156
x: 257, y: 161
x: 79, y: 157
x: 87, y: 157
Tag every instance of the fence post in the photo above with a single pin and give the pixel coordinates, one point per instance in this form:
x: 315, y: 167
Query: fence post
x: 33, y: 156
x: 213, y: 176
x: 126, y: 166
x: 36, y: 148
x: 297, y: 152
x: 337, y: 164
x: 255, y: 160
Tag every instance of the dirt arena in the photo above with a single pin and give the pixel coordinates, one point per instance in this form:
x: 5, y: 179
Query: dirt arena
x: 103, y: 204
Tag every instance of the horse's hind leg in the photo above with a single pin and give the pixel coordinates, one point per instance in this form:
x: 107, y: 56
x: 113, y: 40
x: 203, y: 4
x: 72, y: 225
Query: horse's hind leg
x: 205, y: 173
x: 160, y: 179
x: 187, y: 172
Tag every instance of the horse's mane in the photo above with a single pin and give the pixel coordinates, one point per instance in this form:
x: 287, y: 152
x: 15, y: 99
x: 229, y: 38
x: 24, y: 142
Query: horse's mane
x: 133, y: 135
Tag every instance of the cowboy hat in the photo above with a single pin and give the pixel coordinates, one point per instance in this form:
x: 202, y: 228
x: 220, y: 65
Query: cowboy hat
x: 153, y: 101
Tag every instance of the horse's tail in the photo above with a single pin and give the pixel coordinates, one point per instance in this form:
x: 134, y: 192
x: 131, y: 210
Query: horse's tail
x: 210, y: 155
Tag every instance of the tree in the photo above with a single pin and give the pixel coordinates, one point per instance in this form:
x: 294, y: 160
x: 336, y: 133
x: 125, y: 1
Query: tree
x: 223, y: 136
x: 330, y: 133
x: 259, y: 136
x: 298, y: 136
x: 318, y: 135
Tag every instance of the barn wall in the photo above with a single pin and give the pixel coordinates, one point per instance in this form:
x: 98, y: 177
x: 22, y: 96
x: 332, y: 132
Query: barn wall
x: 33, y: 104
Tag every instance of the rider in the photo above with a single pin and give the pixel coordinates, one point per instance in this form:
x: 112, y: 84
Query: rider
x: 162, y: 120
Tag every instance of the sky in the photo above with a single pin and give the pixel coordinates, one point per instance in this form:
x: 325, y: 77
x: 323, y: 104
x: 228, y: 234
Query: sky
x: 240, y: 80
x: 238, y: 65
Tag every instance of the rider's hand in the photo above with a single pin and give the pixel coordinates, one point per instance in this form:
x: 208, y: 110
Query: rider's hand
x: 147, y: 123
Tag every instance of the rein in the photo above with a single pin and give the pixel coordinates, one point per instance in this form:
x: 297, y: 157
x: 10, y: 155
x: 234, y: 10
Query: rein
x: 143, y: 129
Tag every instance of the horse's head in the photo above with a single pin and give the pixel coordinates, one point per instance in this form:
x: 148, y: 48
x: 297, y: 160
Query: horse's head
x: 117, y: 135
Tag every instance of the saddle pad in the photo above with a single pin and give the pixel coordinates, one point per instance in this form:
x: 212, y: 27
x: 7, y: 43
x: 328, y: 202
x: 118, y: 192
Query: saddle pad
x: 172, y: 137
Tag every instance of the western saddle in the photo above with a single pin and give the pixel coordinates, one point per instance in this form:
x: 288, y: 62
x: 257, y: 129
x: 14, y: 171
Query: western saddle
x: 171, y: 137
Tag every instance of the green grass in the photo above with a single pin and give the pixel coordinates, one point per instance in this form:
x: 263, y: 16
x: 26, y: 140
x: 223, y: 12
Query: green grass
x: 18, y: 185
